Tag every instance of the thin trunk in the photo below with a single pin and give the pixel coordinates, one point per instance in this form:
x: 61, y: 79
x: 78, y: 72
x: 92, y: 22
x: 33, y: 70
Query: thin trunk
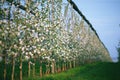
x: 40, y: 68
x: 29, y: 69
x: 33, y: 69
x: 40, y: 71
x: 46, y: 69
x: 58, y: 67
x: 62, y: 66
x: 5, y: 68
x: 65, y: 66
x: 70, y: 65
x: 74, y: 63
x: 13, y: 68
x: 20, y: 68
x: 34, y: 65
x: 53, y: 67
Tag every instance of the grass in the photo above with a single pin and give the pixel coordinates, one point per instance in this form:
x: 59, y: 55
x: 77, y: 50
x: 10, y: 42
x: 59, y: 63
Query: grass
x: 95, y: 71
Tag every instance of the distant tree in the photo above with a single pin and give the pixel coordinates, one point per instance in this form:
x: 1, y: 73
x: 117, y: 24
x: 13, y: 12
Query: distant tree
x: 118, y: 49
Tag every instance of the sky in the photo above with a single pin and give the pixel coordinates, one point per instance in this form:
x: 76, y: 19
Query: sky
x: 104, y: 15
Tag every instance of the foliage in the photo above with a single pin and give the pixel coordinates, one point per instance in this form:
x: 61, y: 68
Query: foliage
x: 48, y: 32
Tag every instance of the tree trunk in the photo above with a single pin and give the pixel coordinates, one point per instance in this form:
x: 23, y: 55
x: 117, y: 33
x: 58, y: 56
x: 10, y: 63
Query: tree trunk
x: 65, y: 66
x: 20, y: 68
x: 53, y: 67
x: 29, y: 69
x: 74, y: 63
x: 5, y: 68
x: 33, y: 69
x: 70, y: 65
x: 40, y: 71
x: 46, y: 69
x: 62, y: 66
x: 40, y: 68
x: 13, y: 67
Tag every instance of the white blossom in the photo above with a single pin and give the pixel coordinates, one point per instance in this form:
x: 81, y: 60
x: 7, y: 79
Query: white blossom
x: 42, y: 49
x: 35, y: 51
x: 21, y: 42
x: 27, y: 57
x: 23, y: 48
x: 30, y: 54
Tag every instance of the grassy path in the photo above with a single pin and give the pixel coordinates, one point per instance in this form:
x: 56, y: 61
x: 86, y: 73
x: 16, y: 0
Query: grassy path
x: 95, y: 71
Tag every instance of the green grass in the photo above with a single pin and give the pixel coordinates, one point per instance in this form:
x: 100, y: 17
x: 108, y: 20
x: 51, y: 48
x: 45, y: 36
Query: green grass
x: 95, y: 71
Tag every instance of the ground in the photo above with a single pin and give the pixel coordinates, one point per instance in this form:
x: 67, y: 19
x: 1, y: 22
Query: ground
x: 94, y: 71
